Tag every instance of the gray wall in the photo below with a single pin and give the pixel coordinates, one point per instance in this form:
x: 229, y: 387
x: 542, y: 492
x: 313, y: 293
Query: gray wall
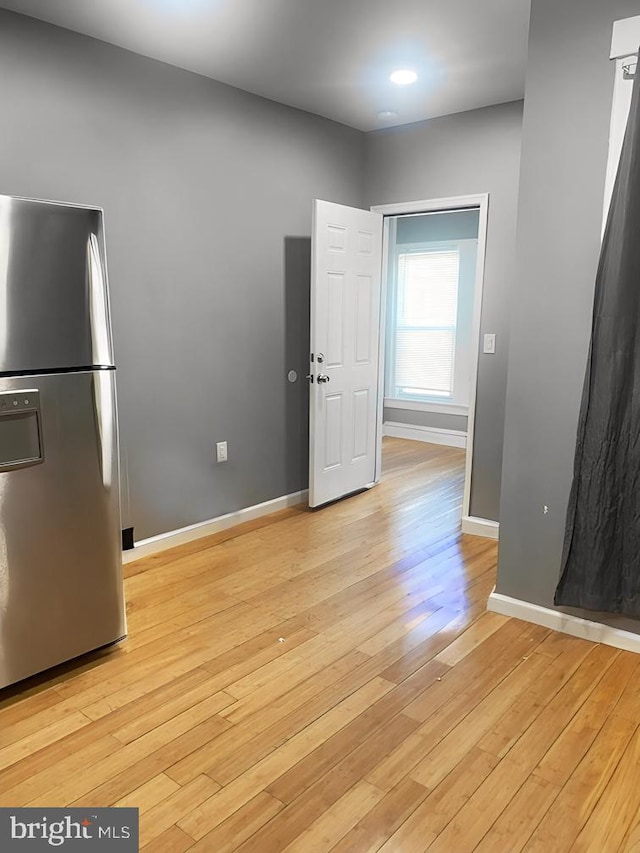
x: 565, y: 139
x: 472, y: 152
x: 457, y: 225
x: 207, y: 194
x: 426, y: 419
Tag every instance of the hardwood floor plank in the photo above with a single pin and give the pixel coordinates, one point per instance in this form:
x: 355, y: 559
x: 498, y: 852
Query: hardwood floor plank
x: 431, y: 817
x: 576, y: 801
x: 20, y: 786
x: 331, y: 680
x: 534, y: 743
x: 199, y: 702
x: 147, y: 702
x: 490, y: 649
x: 239, y: 758
x: 476, y: 817
x: 328, y: 789
x: 327, y: 830
x: 239, y: 826
x: 517, y: 822
x: 169, y: 811
x: 33, y: 743
x: 439, y: 761
x: 157, y: 761
x: 250, y: 656
x: 149, y: 794
x: 631, y: 843
x: 37, y: 712
x: 616, y: 811
x: 153, y: 672
x: 277, y: 677
x: 70, y: 790
x: 473, y: 637
x: 233, y: 795
x: 172, y: 840
x: 448, y: 701
x: 17, y: 705
x: 481, y: 670
x: 504, y: 734
x: 263, y: 733
x: 380, y: 822
x: 573, y: 743
x: 502, y: 785
x: 334, y: 749
x: 82, y: 740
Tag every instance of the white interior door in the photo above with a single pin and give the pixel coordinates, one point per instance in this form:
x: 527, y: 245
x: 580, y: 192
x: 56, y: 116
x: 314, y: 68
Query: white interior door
x: 346, y: 262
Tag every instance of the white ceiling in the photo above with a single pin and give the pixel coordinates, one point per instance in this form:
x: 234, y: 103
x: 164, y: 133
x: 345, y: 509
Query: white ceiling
x: 330, y: 57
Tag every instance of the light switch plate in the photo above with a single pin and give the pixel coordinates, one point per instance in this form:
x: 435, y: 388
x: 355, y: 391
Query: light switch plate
x: 489, y: 347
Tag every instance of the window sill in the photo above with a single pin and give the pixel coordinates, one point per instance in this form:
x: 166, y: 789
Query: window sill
x: 431, y: 406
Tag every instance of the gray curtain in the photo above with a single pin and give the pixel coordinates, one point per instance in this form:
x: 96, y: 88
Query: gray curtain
x: 601, y: 556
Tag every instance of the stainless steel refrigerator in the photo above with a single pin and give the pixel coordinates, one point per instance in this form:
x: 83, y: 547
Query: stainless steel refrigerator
x: 60, y: 540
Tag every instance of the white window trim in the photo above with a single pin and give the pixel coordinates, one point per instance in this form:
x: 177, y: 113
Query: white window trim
x: 481, y: 201
x: 433, y: 401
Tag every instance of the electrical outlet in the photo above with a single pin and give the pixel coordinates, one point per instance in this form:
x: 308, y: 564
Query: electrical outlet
x: 221, y: 451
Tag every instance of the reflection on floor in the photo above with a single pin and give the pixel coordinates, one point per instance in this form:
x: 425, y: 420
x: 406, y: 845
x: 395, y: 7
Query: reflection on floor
x: 331, y: 681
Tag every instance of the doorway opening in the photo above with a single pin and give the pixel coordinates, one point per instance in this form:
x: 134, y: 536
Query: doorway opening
x: 432, y: 279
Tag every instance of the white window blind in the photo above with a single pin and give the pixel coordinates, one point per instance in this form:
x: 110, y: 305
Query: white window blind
x: 425, y: 333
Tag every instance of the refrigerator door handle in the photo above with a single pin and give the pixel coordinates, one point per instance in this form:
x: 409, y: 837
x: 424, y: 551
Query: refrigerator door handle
x: 99, y: 305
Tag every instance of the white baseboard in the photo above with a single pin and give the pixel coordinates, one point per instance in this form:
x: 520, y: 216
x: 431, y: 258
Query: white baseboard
x: 596, y: 632
x: 432, y: 435
x: 480, y: 527
x: 164, y: 541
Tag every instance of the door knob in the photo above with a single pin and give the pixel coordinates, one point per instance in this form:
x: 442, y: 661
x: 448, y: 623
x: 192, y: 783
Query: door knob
x: 322, y: 377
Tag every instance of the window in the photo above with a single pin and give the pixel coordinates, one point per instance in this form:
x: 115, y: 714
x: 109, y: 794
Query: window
x: 427, y: 303
x: 430, y: 306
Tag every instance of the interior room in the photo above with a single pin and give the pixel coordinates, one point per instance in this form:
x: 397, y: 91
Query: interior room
x: 317, y: 425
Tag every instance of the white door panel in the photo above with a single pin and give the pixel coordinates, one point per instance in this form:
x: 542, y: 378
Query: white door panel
x: 345, y: 331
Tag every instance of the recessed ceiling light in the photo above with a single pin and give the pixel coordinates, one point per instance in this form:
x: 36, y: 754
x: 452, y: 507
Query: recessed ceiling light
x: 403, y: 77
x: 387, y: 115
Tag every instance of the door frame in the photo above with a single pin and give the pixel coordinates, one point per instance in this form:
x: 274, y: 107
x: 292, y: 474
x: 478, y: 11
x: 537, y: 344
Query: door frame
x: 624, y: 52
x: 480, y: 201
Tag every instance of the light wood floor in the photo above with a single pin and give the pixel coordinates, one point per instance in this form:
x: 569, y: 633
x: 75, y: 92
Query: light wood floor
x: 331, y: 681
